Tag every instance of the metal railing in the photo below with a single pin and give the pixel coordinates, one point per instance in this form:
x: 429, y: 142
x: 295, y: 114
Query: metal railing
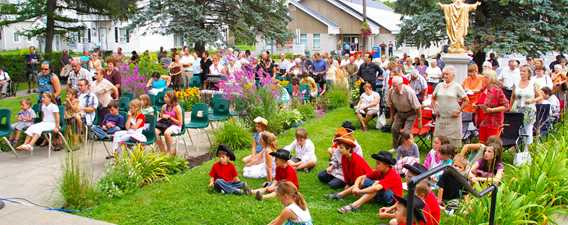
x: 460, y: 179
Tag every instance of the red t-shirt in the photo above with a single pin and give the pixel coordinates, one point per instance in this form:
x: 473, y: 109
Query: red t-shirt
x: 390, y: 180
x: 227, y: 172
x: 431, y: 209
x: 354, y: 168
x: 288, y: 173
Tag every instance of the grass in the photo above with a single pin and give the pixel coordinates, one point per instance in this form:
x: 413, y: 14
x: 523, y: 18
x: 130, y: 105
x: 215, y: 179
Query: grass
x: 185, y: 199
x: 13, y: 104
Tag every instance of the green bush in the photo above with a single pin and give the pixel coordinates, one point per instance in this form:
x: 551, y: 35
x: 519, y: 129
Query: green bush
x: 14, y: 63
x: 261, y: 103
x: 307, y: 110
x: 148, y: 64
x: 233, y: 134
x: 76, y: 187
x: 137, y: 168
x: 337, y: 97
x: 291, y: 118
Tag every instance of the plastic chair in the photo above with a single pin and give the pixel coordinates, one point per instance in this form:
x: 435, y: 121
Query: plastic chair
x: 469, y: 130
x: 425, y: 133
x: 149, y: 133
x: 181, y: 133
x: 220, y: 110
x: 62, y: 127
x: 6, y: 128
x: 199, y: 119
x: 542, y: 116
x: 511, y: 126
x: 159, y: 101
x: 123, y: 104
x: 37, y: 110
x: 195, y: 82
x: 127, y: 95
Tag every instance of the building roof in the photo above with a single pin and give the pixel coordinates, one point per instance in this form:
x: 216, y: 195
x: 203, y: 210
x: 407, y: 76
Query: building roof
x: 332, y: 28
x: 377, y: 13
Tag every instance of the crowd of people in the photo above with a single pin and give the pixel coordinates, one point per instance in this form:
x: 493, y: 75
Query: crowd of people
x: 400, y: 88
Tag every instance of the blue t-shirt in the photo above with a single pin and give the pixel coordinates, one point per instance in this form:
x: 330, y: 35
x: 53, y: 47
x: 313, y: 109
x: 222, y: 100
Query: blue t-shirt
x: 117, y: 120
x: 256, y: 137
x: 159, y: 84
x: 319, y: 65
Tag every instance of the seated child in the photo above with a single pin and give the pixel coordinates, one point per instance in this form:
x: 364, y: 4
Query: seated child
x: 296, y: 210
x: 284, y: 172
x: 296, y: 88
x: 72, y: 112
x: 352, y: 164
x: 474, y: 152
x: 311, y: 83
x: 401, y: 211
x: 350, y: 129
x: 432, y: 210
x: 449, y: 188
x: 489, y: 168
x: 24, y: 119
x: 260, y: 125
x: 333, y: 175
x: 407, y: 152
x: 112, y: 123
x: 305, y: 158
x: 380, y: 185
x: 446, y: 156
x: 224, y: 176
x: 433, y: 157
x: 147, y: 108
x: 134, y: 126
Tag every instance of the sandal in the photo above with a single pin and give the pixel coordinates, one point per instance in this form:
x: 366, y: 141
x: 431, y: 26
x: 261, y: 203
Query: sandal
x: 25, y: 147
x: 258, y: 196
x: 347, y: 209
x: 334, y: 196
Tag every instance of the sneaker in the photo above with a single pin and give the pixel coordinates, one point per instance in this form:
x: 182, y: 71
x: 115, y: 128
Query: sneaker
x: 258, y: 196
x: 333, y: 196
x: 307, y: 170
x: 246, y: 190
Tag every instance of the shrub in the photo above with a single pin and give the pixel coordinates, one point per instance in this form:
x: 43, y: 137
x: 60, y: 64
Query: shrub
x: 307, y: 110
x: 233, y: 134
x: 337, y: 97
x: 148, y: 64
x: 76, y: 187
x: 137, y: 168
x: 291, y: 118
x: 14, y: 63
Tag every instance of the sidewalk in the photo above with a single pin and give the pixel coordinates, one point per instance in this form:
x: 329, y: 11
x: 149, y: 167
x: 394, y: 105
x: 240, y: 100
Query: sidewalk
x: 13, y: 214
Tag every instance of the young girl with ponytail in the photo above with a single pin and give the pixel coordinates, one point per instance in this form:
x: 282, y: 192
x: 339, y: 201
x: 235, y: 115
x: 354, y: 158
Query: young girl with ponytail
x: 296, y: 209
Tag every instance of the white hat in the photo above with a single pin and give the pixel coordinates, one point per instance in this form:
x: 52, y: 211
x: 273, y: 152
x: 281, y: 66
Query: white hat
x: 261, y: 121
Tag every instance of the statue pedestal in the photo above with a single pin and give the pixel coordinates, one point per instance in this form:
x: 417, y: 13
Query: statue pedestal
x: 460, y: 62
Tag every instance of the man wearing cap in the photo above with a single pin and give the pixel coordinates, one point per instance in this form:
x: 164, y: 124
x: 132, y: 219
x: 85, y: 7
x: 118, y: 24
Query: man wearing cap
x: 333, y: 175
x: 284, y: 172
x: 224, y: 176
x: 405, y: 108
x: 382, y: 184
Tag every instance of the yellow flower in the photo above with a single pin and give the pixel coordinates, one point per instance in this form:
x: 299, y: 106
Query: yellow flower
x: 284, y: 83
x: 248, y: 86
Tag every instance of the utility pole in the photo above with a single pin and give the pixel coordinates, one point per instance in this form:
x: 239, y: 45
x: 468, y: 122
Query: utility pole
x: 364, y: 37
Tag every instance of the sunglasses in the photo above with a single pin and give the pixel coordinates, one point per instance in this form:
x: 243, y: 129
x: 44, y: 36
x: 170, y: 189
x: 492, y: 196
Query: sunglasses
x: 44, y: 69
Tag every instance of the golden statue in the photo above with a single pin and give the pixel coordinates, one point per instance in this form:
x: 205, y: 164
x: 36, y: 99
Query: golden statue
x: 457, y: 22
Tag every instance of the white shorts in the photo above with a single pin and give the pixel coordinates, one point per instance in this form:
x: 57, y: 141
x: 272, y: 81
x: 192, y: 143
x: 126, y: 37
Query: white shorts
x: 39, y: 128
x: 173, y: 129
x: 255, y: 171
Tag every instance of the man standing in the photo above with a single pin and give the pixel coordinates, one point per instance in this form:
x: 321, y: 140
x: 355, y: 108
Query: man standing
x: 510, y: 77
x: 88, y: 102
x: 32, y: 61
x: 404, y: 106
x: 4, y: 82
x: 351, y: 69
x: 319, y: 69
x: 77, y: 73
x: 284, y: 64
x: 370, y: 72
x: 391, y: 49
x: 48, y: 82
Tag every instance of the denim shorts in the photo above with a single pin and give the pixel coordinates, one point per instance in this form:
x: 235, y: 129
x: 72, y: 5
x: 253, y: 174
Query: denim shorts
x: 383, y: 196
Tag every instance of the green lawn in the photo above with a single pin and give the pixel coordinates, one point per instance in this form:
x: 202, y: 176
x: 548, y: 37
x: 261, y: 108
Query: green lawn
x: 185, y: 199
x: 13, y: 104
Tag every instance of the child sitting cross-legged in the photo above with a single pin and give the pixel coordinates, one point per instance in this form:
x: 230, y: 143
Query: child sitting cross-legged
x: 401, y: 211
x: 112, y: 123
x: 380, y: 185
x: 449, y: 189
x: 24, y: 119
x: 305, y: 158
x: 296, y: 210
x: 284, y: 172
x: 224, y: 176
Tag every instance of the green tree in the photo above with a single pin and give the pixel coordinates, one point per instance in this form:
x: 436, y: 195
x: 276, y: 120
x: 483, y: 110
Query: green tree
x: 60, y: 16
x: 204, y: 21
x: 506, y: 26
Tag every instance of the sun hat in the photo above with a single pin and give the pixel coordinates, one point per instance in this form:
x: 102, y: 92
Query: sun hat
x: 261, y: 121
x: 385, y: 157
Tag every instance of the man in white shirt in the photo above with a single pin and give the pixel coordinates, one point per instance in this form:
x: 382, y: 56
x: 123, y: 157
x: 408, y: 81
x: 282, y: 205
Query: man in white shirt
x: 305, y: 158
x: 88, y: 102
x: 510, y: 76
x: 433, y: 72
x: 77, y: 73
x: 284, y: 63
x: 4, y: 82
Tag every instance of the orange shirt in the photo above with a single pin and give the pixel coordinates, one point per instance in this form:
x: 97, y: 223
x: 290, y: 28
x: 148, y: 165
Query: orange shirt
x: 473, y: 84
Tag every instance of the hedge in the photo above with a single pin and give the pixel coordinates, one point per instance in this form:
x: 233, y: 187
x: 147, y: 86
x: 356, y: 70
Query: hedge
x: 14, y: 63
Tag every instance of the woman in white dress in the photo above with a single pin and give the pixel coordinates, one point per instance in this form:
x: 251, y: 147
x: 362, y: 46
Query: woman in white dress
x: 525, y: 96
x: 264, y: 168
x: 49, y: 122
x: 296, y: 210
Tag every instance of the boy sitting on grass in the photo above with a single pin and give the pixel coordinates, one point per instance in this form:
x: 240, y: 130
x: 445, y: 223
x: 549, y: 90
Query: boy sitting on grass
x: 305, y: 158
x: 380, y: 185
x: 224, y: 176
x: 284, y: 172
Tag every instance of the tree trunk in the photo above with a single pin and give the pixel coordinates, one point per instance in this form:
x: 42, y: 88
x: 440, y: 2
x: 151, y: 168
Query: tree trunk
x: 50, y: 26
x: 363, y: 37
x: 199, y: 48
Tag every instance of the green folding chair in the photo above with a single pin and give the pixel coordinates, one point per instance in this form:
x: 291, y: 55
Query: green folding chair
x: 123, y: 104
x: 220, y: 110
x: 149, y: 133
x: 6, y: 128
x: 195, y: 82
x: 181, y: 133
x: 126, y: 95
x: 199, y: 120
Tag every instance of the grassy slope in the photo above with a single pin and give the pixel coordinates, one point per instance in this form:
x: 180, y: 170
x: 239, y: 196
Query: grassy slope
x: 185, y: 200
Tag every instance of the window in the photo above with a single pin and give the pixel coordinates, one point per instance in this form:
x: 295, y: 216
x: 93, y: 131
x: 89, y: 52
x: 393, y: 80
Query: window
x: 116, y: 34
x: 316, y: 41
x: 304, y: 40
x: 1, y: 33
x: 16, y: 37
x: 124, y: 35
x: 89, y: 35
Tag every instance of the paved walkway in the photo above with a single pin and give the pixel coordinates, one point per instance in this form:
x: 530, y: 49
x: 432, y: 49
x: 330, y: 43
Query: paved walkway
x: 36, y: 178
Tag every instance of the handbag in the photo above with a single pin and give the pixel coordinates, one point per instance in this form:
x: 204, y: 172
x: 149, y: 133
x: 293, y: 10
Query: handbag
x: 163, y: 124
x: 381, y: 121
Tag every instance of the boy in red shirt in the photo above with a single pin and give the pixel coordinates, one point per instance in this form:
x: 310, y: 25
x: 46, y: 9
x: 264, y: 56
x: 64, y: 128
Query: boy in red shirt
x: 352, y: 164
x: 401, y: 212
x: 224, y: 176
x: 284, y: 172
x: 381, y: 185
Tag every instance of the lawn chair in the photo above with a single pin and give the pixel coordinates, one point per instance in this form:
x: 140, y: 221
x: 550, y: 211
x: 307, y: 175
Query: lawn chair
x: 510, y: 134
x: 127, y: 95
x: 469, y: 130
x: 123, y: 104
x: 199, y: 120
x: 424, y: 134
x: 542, y: 118
x: 6, y: 128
